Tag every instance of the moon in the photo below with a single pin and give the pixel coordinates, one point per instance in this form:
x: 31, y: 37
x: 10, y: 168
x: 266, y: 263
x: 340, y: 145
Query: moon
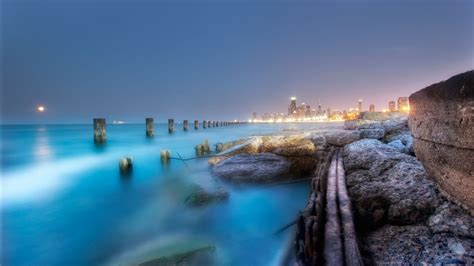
x: 41, y: 108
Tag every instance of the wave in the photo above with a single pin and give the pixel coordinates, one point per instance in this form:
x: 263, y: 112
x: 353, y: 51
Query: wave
x: 43, y: 180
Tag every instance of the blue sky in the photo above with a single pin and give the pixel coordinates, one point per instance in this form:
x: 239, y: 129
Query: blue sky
x: 222, y: 60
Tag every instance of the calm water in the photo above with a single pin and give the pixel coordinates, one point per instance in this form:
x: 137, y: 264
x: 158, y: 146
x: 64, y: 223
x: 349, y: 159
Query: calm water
x: 65, y: 203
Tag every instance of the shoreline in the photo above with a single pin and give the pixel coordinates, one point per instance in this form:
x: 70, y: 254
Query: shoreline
x: 390, y: 140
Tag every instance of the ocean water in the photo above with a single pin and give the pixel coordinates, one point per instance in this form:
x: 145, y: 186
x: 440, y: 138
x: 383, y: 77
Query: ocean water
x: 64, y: 202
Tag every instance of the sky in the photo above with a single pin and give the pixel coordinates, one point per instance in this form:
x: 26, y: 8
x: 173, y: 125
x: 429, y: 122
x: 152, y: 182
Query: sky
x: 127, y: 60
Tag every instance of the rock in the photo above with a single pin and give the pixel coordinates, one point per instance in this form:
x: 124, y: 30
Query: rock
x: 341, y: 137
x: 442, y: 123
x: 372, y: 133
x: 319, y: 141
x: 126, y: 165
x: 199, y: 196
x: 258, y: 168
x: 389, y: 124
x: 408, y: 245
x: 250, y: 146
x: 293, y: 145
x: 456, y: 247
x: 444, y: 112
x: 387, y: 186
x: 400, y: 140
x: 398, y: 145
x: 199, y: 256
x: 450, y: 218
x: 395, y: 125
x: 380, y: 116
x: 404, y: 136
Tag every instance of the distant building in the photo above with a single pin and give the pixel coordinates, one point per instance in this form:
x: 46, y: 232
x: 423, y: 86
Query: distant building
x: 403, y: 104
x: 391, y: 106
x: 301, y: 110
x: 359, y: 105
x: 254, y: 116
x: 328, y: 112
x: 308, y: 111
x: 371, y: 108
x: 319, y: 109
x: 292, y: 107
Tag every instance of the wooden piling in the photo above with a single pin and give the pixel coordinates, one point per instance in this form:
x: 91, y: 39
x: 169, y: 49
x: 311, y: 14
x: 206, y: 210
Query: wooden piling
x: 149, y: 126
x: 196, y: 124
x: 185, y: 125
x: 206, y: 147
x: 204, y: 124
x: 99, y: 130
x: 199, y: 150
x: 170, y: 126
x: 126, y: 165
x: 165, y: 156
x: 208, y: 123
x: 219, y: 147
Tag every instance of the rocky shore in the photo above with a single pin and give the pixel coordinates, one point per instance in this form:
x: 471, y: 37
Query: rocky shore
x: 405, y: 210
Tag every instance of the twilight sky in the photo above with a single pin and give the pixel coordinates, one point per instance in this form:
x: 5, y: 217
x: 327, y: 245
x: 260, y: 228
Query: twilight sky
x: 221, y: 59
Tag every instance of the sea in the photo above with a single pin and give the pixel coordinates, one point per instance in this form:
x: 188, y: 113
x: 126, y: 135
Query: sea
x: 65, y: 202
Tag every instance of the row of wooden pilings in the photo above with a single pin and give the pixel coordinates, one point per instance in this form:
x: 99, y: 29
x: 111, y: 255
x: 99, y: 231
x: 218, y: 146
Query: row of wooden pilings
x: 100, y: 125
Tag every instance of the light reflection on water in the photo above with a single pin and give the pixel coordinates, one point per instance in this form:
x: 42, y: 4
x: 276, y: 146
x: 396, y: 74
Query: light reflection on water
x: 43, y: 151
x: 65, y: 203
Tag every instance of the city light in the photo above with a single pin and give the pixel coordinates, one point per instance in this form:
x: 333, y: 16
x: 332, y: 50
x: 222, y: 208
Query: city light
x: 304, y: 113
x: 41, y: 109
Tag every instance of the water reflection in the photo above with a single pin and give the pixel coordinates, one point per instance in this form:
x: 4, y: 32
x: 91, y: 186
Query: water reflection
x: 42, y: 149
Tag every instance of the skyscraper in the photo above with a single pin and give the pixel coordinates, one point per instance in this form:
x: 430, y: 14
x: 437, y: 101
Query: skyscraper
x: 320, y: 112
x: 391, y: 106
x: 403, y: 104
x: 371, y: 108
x: 292, y: 107
x: 254, y: 116
x: 359, y: 105
x: 308, y: 111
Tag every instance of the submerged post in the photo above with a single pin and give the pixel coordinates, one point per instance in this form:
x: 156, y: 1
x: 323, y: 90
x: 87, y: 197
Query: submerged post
x: 170, y: 125
x: 99, y: 130
x: 165, y: 156
x: 196, y: 124
x: 204, y: 123
x: 126, y: 165
x: 208, y: 123
x: 185, y: 125
x: 149, y: 127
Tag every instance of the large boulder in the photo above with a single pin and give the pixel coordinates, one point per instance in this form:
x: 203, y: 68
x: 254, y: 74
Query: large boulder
x: 387, y: 186
x: 261, y: 168
x: 442, y: 123
x: 250, y: 146
x: 292, y: 145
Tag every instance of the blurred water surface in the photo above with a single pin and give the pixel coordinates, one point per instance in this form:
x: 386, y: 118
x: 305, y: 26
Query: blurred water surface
x: 63, y: 201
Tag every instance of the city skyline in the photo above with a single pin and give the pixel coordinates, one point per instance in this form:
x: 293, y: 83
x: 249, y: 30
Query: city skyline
x: 306, y: 109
